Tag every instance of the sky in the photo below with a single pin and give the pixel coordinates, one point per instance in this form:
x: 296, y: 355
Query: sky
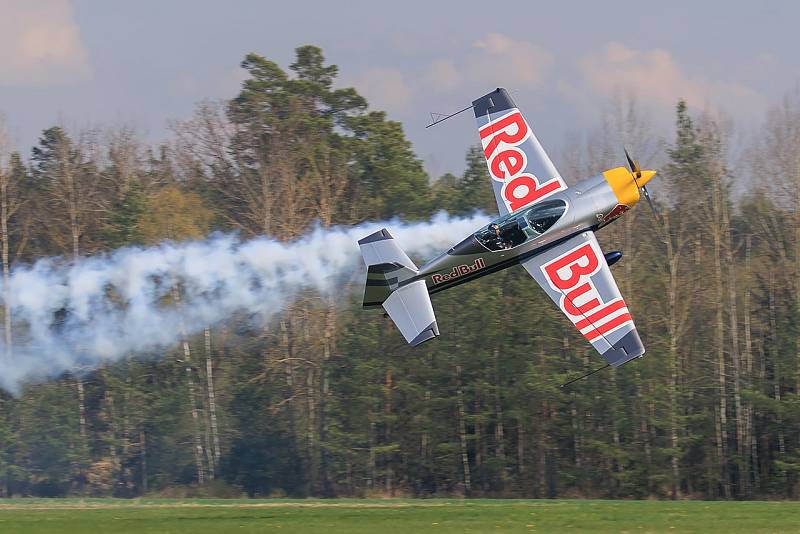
x: 86, y: 63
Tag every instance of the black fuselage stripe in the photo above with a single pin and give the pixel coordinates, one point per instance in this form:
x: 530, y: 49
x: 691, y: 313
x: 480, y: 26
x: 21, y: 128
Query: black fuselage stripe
x: 383, y: 268
x: 381, y: 282
x: 499, y: 266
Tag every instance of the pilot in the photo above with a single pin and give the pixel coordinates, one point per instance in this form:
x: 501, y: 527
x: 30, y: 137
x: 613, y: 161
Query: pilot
x: 499, y: 242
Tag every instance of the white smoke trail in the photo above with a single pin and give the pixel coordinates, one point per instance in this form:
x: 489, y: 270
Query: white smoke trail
x: 71, y: 316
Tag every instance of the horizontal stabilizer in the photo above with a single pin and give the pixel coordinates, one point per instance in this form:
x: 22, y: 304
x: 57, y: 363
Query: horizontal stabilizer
x: 411, y: 310
x: 409, y: 304
x: 381, y: 247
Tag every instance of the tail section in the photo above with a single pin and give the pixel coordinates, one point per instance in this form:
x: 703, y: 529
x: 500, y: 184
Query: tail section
x: 389, y: 270
x: 387, y: 266
x: 382, y: 280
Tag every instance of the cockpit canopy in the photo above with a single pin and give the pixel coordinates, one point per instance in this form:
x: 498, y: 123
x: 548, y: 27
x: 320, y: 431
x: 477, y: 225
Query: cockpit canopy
x: 521, y: 226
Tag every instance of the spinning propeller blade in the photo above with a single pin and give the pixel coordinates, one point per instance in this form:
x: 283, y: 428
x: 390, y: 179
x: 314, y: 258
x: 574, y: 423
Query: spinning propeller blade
x: 636, y: 171
x: 634, y: 165
x: 652, y: 206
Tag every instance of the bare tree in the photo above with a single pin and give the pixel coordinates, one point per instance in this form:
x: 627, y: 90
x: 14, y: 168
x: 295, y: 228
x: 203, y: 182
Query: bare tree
x: 778, y: 156
x: 212, y: 399
x: 187, y: 363
x: 8, y: 205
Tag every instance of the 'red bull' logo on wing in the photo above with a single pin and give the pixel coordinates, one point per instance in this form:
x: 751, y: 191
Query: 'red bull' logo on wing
x: 501, y: 140
x: 458, y: 271
x: 571, y: 274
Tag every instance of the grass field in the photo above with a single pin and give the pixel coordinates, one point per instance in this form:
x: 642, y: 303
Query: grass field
x: 96, y: 516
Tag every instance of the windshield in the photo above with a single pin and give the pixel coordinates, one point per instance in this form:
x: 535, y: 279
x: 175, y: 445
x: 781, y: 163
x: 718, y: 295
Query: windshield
x: 521, y: 226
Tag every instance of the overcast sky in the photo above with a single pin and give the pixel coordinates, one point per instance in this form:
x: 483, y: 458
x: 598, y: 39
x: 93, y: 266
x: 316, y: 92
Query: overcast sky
x: 88, y: 63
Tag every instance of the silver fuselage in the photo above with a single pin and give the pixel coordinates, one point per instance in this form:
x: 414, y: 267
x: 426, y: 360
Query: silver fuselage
x: 591, y: 204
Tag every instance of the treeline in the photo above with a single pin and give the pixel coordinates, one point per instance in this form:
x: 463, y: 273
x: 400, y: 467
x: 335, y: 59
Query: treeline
x: 327, y: 399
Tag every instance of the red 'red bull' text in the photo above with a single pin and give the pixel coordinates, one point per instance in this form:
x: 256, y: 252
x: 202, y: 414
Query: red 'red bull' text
x: 507, y: 162
x: 458, y: 271
x: 572, y: 275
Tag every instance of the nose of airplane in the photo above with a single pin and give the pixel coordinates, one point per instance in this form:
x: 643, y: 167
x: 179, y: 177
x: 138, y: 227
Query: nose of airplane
x: 645, y: 177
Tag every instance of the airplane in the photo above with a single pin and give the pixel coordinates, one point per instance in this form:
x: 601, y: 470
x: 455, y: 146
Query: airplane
x: 545, y: 226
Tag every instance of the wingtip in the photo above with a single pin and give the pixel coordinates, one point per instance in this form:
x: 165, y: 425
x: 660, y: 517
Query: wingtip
x: 494, y: 102
x: 628, y: 348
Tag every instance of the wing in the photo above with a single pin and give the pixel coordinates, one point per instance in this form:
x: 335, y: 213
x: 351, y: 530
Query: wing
x: 576, y: 276
x: 521, y: 172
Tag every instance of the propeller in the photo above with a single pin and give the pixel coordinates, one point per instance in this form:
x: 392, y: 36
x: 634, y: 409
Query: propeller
x: 636, y: 171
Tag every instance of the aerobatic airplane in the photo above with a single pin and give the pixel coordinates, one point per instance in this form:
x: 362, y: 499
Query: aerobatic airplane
x: 545, y: 226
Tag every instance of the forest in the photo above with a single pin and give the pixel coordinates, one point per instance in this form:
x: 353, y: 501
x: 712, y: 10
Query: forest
x: 325, y: 399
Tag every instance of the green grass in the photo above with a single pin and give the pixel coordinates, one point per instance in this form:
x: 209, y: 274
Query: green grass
x: 200, y: 516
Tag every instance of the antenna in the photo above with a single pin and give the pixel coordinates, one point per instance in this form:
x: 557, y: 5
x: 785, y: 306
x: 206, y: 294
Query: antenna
x: 436, y: 118
x: 590, y: 373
